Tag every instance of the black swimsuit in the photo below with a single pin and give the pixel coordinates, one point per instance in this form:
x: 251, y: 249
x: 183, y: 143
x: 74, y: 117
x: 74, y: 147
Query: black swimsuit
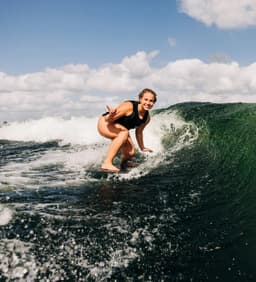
x: 133, y: 120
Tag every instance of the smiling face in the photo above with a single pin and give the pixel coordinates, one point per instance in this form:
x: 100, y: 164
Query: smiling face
x: 147, y: 100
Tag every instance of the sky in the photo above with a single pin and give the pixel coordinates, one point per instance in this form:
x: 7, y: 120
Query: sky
x: 72, y: 58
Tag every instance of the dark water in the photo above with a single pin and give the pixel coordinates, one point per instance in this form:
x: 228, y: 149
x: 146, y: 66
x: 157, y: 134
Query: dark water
x: 191, y: 218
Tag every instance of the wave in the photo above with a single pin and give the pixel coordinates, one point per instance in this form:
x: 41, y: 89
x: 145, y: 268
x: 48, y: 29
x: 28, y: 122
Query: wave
x: 227, y: 133
x: 77, y: 130
x: 227, y: 138
x: 53, y: 151
x: 186, y: 213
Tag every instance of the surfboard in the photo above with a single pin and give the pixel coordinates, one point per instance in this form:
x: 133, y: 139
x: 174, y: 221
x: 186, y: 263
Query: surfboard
x: 102, y: 174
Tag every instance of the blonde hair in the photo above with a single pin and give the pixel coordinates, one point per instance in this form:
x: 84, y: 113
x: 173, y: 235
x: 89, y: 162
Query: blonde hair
x: 150, y: 91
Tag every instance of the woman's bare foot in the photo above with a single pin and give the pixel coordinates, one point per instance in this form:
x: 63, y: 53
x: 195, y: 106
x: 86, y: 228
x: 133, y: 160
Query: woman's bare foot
x: 109, y: 167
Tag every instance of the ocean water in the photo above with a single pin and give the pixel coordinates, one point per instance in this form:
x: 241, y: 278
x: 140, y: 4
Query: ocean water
x: 186, y: 213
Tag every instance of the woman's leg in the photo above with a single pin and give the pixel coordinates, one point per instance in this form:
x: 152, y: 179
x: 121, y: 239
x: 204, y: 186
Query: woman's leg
x: 115, y: 146
x: 118, y: 134
x: 128, y: 150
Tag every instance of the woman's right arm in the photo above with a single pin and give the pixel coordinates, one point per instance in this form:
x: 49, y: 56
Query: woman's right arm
x: 111, y: 113
x: 124, y: 109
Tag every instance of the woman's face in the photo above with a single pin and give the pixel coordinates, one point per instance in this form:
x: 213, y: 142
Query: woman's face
x: 147, y: 100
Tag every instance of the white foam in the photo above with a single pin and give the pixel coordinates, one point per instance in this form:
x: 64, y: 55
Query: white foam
x: 55, y: 167
x: 6, y: 215
x: 16, y: 261
x: 166, y: 123
x: 158, y: 126
x: 77, y: 130
x: 87, y: 150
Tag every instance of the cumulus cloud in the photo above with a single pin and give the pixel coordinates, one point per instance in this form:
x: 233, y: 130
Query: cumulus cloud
x: 220, y: 58
x: 74, y: 90
x: 224, y: 14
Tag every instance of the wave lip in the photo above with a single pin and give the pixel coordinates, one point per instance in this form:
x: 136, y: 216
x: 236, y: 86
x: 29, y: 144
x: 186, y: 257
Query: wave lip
x: 77, y: 130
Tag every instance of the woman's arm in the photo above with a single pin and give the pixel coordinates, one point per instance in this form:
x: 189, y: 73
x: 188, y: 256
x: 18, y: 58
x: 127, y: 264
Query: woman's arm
x: 124, y: 109
x: 139, y: 136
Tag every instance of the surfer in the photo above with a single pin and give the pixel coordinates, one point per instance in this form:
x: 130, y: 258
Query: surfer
x: 116, y: 123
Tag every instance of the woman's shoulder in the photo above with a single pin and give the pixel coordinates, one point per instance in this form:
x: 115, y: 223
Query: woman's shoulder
x: 126, y: 107
x: 126, y: 104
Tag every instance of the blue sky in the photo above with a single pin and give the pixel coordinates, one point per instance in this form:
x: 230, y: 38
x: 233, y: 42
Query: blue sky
x: 49, y: 33
x: 79, y: 53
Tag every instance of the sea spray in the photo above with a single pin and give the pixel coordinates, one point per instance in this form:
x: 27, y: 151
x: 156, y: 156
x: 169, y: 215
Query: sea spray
x: 76, y: 130
x: 17, y: 263
x: 61, y: 151
x: 6, y: 215
x: 167, y: 134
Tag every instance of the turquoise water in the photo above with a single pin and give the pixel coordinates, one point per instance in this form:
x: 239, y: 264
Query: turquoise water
x: 187, y: 213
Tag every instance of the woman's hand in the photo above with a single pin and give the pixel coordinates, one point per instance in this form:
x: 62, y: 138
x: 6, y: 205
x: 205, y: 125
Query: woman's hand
x: 147, y: 150
x: 112, y: 111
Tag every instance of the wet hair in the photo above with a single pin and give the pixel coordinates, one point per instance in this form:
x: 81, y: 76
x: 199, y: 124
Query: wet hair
x: 150, y: 91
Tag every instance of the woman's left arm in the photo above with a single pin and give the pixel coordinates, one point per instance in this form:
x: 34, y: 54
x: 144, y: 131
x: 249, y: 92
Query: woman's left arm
x: 139, y: 136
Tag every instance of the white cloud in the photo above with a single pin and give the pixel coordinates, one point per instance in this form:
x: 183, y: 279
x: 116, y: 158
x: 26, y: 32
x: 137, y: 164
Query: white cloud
x: 220, y: 58
x: 81, y: 90
x: 172, y: 41
x: 225, y: 14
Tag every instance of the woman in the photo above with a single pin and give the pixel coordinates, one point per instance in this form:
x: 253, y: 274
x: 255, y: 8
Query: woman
x: 116, y: 123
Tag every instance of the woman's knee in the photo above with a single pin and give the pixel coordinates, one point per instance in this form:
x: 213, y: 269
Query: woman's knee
x: 131, y: 153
